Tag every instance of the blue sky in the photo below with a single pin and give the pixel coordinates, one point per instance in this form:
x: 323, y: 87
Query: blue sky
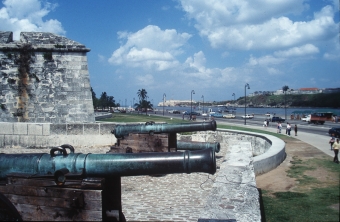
x: 213, y: 47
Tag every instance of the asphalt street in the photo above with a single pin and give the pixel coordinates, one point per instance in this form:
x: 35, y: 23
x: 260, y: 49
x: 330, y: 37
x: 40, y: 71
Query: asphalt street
x: 313, y: 134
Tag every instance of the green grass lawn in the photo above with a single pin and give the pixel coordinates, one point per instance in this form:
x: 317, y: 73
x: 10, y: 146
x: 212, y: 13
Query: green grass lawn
x: 312, y: 200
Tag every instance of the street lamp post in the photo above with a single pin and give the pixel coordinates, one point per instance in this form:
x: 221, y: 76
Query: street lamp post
x: 245, y: 103
x: 163, y: 102
x: 133, y: 103
x: 203, y: 103
x: 234, y: 101
x: 285, y: 88
x: 192, y: 92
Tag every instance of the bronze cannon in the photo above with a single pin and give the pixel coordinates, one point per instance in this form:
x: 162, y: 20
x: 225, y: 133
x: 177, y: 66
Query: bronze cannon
x: 193, y: 145
x: 64, y: 185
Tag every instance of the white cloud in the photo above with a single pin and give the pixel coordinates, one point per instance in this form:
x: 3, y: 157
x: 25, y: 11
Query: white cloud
x: 238, y: 24
x: 307, y: 49
x: 27, y: 15
x: 265, y: 60
x: 150, y: 47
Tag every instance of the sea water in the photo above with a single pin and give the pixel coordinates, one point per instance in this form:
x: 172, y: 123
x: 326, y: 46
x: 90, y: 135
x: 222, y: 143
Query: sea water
x: 282, y: 112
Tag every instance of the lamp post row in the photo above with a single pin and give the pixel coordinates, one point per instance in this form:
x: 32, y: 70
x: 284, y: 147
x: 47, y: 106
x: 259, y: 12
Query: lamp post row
x: 245, y: 103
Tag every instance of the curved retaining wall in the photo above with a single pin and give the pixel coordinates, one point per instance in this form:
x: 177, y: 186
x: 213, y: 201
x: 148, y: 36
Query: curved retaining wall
x: 268, y: 154
x: 268, y: 151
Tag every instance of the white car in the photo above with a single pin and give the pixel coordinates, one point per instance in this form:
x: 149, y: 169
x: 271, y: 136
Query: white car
x: 204, y: 114
x: 306, y: 119
x: 247, y: 116
x: 229, y: 116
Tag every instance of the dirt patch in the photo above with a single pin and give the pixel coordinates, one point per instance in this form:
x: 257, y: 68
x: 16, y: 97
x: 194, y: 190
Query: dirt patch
x: 277, y: 180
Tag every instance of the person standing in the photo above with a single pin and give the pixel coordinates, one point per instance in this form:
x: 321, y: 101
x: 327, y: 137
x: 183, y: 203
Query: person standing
x: 331, y: 141
x: 295, y: 129
x: 289, y: 128
x: 336, y: 147
x: 265, y: 123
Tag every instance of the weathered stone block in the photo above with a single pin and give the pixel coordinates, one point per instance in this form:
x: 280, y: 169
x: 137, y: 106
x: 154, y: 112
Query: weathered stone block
x: 2, y: 141
x: 20, y: 128
x: 58, y: 129
x: 106, y: 128
x: 46, y: 129
x: 11, y: 140
x: 75, y: 129
x: 35, y: 129
x: 91, y: 129
x: 6, y: 128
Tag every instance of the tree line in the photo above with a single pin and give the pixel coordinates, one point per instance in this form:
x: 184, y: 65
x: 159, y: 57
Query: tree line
x: 106, y: 102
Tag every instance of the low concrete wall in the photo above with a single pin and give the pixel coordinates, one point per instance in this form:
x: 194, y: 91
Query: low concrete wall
x: 45, y: 135
x: 268, y: 151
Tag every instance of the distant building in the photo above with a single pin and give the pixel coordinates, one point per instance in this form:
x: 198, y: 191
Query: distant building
x: 331, y: 90
x: 310, y: 91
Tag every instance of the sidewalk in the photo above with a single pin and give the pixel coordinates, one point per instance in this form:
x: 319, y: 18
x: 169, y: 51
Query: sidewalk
x: 318, y: 141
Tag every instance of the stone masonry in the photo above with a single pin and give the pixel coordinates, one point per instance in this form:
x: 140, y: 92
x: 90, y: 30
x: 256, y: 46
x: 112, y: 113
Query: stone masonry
x: 44, y: 79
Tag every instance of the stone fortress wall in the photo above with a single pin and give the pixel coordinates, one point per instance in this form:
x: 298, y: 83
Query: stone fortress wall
x: 44, y: 79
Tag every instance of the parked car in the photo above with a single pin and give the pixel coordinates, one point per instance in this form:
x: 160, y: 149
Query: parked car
x: 204, y: 114
x: 335, y: 131
x: 195, y: 113
x: 229, y: 116
x: 247, y: 116
x: 278, y: 119
x: 305, y: 119
x: 192, y: 113
x: 216, y: 115
x: 176, y: 112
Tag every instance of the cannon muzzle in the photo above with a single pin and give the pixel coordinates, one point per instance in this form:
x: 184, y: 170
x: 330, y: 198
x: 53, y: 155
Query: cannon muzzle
x: 124, y: 130
x: 108, y: 165
x: 184, y: 145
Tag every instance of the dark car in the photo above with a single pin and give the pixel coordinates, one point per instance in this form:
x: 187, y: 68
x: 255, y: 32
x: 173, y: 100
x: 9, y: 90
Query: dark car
x: 176, y: 112
x: 278, y: 119
x: 192, y: 113
x: 335, y: 131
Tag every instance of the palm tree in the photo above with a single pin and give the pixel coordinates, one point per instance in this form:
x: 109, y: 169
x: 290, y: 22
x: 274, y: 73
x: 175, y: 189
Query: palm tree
x: 142, y: 95
x: 285, y: 88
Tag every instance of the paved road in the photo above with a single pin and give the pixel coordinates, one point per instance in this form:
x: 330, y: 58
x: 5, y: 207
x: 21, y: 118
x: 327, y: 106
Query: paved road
x: 315, y: 135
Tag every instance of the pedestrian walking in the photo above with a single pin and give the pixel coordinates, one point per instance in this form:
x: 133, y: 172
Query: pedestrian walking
x: 280, y: 127
x: 295, y: 129
x: 336, y: 147
x: 265, y: 123
x: 331, y: 141
x: 289, y: 127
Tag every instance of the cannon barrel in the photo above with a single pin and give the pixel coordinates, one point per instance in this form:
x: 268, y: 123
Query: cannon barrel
x: 124, y: 130
x: 193, y: 145
x: 108, y: 165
